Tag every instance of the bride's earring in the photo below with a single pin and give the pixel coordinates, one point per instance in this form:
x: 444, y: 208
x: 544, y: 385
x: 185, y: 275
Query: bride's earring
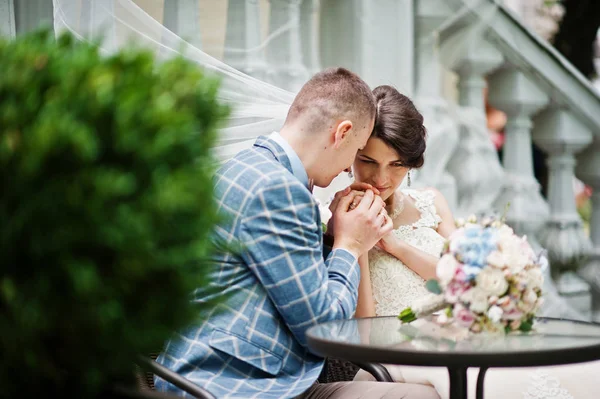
x: 350, y: 174
x: 408, y: 178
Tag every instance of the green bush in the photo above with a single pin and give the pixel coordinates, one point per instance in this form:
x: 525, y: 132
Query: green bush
x: 106, y: 206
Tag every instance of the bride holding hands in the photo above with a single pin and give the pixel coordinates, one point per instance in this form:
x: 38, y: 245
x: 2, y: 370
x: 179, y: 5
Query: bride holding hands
x: 394, y: 272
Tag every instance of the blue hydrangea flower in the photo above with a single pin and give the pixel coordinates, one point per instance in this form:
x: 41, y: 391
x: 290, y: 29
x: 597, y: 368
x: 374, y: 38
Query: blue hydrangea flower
x: 475, y: 246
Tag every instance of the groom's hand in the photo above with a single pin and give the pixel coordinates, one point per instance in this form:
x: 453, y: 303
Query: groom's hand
x: 359, y: 228
x: 356, y: 186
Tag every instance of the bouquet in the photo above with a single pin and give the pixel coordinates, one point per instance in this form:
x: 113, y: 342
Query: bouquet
x: 488, y: 279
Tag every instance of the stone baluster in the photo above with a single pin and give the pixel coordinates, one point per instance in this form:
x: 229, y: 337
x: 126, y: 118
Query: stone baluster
x: 474, y: 164
x: 442, y: 131
x: 309, y: 11
x: 561, y: 135
x: 182, y: 17
x: 513, y: 93
x: 243, y: 45
x: 588, y: 170
x: 284, y: 50
x: 30, y: 15
x: 7, y: 18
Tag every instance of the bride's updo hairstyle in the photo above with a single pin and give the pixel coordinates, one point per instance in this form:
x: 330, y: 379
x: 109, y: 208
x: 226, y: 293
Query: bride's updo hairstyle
x: 399, y: 125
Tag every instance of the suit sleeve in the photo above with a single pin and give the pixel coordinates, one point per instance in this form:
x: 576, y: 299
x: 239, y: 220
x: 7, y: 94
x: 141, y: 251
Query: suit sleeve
x: 282, y: 242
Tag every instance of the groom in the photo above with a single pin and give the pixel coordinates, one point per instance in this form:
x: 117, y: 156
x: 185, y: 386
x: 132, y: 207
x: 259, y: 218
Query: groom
x: 277, y: 286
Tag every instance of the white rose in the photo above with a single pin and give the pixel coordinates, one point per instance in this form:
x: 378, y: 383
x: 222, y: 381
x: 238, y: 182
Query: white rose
x: 514, y: 257
x: 477, y: 299
x: 534, y: 278
x: 495, y: 314
x: 505, y: 233
x: 492, y: 281
x: 496, y: 259
x: 446, y: 268
x: 529, y: 296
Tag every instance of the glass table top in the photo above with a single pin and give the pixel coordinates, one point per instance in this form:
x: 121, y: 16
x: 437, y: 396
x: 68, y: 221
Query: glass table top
x: 380, y: 337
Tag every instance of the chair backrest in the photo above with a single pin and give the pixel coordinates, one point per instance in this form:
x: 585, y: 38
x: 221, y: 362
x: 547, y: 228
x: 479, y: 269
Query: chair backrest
x: 337, y: 370
x: 145, y: 379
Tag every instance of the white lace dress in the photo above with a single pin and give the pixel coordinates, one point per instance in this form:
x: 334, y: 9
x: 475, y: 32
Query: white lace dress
x: 395, y: 287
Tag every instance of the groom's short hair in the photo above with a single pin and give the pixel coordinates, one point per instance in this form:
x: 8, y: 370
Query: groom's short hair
x: 333, y: 94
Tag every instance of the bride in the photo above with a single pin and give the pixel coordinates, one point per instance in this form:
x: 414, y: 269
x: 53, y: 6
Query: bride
x: 394, y: 273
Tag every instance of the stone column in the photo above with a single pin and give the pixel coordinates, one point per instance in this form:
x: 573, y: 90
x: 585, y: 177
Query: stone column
x: 588, y: 170
x: 7, y: 18
x: 309, y: 38
x: 513, y: 93
x: 442, y: 131
x: 474, y: 164
x: 243, y: 44
x: 284, y: 50
x: 32, y: 14
x: 182, y: 17
x: 561, y: 135
x: 372, y: 38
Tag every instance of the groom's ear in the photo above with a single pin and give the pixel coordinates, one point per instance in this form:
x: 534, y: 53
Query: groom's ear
x: 341, y: 133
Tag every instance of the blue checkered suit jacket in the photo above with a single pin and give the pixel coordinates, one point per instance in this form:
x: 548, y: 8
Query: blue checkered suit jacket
x: 254, y: 344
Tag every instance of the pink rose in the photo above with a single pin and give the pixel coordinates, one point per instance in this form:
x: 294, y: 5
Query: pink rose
x: 513, y: 314
x: 454, y: 290
x: 461, y: 276
x: 463, y: 316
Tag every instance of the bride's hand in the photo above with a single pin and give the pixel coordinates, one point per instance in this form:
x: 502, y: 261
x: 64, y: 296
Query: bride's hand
x: 356, y: 186
x: 388, y: 242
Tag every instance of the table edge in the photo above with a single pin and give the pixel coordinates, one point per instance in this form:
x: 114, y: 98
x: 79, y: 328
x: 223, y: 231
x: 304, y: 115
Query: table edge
x: 375, y: 354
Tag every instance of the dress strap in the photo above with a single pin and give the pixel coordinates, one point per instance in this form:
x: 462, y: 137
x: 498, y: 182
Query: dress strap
x: 425, y: 203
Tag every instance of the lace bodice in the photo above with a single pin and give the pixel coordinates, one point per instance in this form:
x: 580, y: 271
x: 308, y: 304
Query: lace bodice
x: 394, y: 285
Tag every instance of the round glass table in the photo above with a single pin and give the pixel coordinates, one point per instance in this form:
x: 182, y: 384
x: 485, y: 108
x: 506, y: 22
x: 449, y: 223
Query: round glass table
x: 424, y: 343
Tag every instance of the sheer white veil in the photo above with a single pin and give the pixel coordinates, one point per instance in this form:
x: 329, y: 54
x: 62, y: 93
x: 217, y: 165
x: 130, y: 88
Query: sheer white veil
x: 258, y: 107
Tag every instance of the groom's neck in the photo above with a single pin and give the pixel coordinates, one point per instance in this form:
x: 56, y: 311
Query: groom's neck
x: 305, y: 145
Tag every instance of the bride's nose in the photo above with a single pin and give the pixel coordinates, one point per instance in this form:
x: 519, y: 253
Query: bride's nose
x: 380, y: 178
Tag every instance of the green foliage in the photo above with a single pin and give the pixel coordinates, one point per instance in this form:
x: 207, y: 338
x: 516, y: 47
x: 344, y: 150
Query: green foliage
x: 433, y: 286
x: 407, y: 315
x: 106, y: 206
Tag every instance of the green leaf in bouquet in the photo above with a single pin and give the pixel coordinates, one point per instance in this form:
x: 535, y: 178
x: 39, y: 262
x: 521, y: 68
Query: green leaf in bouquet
x: 449, y: 312
x: 433, y: 286
x: 526, y: 325
x: 407, y: 315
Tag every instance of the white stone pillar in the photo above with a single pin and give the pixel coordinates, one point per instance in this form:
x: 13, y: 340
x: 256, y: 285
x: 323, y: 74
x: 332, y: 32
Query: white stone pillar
x: 474, y: 164
x: 588, y: 170
x: 309, y: 37
x: 182, y: 17
x: 29, y: 15
x: 7, y: 18
x: 513, y: 93
x: 372, y: 38
x: 284, y: 50
x: 442, y: 131
x: 243, y: 44
x: 561, y: 135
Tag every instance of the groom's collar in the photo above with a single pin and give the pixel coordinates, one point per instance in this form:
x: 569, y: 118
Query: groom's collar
x: 285, y: 154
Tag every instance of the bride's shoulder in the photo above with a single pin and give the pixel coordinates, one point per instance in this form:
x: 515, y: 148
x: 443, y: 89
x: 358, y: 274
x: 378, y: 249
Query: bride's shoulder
x: 424, y: 193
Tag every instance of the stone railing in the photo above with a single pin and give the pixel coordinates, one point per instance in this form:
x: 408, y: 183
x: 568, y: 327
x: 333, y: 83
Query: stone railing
x: 415, y: 45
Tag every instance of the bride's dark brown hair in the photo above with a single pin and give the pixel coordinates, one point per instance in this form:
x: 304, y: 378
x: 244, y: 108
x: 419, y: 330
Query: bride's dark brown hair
x: 400, y: 125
